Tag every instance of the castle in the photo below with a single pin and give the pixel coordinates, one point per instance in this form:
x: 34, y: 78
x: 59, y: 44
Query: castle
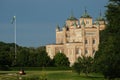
x: 77, y: 37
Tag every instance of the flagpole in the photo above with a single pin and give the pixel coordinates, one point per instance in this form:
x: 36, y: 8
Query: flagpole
x: 15, y: 37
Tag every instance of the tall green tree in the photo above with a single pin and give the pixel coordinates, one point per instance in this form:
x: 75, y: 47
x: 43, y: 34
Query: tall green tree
x: 6, y: 55
x: 22, y: 57
x: 108, y: 56
x: 83, y: 64
x: 43, y: 59
x: 61, y: 60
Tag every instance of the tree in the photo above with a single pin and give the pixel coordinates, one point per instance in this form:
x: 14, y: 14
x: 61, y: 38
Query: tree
x: 83, y: 64
x: 22, y: 57
x: 5, y: 55
x: 109, y: 51
x: 43, y: 59
x: 25, y: 57
x: 61, y: 60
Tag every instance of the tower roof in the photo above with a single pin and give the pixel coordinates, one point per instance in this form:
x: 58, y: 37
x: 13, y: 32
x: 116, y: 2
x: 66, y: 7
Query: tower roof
x: 100, y: 18
x: 72, y: 17
x: 86, y: 15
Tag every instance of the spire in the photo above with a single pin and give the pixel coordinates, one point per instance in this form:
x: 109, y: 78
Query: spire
x: 72, y: 16
x: 57, y: 27
x: 85, y: 10
x: 100, y: 18
x: 100, y: 13
x: 85, y: 15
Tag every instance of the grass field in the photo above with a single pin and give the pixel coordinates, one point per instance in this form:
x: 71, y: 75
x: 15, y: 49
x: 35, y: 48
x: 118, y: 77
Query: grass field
x: 50, y: 75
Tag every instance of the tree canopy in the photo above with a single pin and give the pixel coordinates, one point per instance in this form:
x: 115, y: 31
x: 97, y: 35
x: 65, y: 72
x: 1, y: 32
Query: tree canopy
x: 107, y: 58
x: 25, y: 57
x: 61, y: 60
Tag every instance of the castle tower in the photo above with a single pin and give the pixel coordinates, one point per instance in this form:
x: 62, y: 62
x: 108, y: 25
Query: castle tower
x: 87, y: 19
x: 71, y: 22
x: 101, y: 21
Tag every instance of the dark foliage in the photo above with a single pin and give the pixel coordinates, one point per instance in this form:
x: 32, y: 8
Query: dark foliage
x: 61, y: 60
x: 83, y: 64
x: 25, y: 57
x: 108, y: 57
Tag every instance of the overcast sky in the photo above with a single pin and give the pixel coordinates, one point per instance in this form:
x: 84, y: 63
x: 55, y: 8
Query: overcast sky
x: 37, y: 19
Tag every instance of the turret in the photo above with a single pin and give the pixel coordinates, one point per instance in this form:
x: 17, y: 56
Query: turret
x: 101, y: 22
x: 87, y: 19
x: 71, y: 21
x: 64, y: 33
x: 57, y: 28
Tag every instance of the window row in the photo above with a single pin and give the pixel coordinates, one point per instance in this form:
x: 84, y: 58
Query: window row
x: 79, y: 51
x: 93, y: 41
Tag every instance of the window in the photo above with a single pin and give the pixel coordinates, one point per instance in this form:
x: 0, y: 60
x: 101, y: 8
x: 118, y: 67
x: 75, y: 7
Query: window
x: 86, y: 51
x: 86, y: 41
x: 78, y: 51
x: 87, y: 22
x: 60, y: 51
x: 93, y: 41
x: 93, y: 51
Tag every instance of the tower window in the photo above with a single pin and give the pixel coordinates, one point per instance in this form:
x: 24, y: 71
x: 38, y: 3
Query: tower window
x: 87, y: 22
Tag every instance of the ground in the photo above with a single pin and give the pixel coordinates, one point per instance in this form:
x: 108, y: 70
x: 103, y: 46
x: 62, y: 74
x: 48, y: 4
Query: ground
x: 50, y: 75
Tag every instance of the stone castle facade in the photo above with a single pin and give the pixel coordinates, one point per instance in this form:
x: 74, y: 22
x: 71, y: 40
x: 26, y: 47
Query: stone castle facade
x: 77, y: 38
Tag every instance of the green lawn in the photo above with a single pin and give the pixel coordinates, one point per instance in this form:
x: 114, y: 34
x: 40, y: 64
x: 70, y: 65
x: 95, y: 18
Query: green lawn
x: 50, y: 75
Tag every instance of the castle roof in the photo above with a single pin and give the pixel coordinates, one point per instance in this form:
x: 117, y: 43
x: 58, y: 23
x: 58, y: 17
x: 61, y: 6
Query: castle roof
x: 100, y: 18
x: 72, y: 17
x: 86, y: 15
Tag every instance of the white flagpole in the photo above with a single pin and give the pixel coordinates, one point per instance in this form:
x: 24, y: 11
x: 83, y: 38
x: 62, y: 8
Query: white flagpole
x: 15, y: 36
